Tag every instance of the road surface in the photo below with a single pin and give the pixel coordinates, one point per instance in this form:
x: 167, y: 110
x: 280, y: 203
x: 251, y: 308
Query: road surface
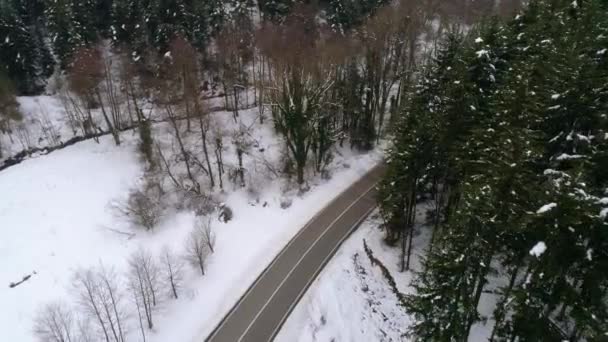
x: 261, y: 312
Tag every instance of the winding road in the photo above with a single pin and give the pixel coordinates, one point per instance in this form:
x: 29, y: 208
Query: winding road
x: 260, y: 313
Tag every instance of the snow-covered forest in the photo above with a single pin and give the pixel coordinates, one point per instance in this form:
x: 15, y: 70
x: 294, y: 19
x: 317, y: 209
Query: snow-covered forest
x: 505, y: 135
x: 492, y: 218
x: 155, y: 155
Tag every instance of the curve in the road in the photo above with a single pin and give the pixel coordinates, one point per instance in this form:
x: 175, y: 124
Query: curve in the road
x: 263, y: 309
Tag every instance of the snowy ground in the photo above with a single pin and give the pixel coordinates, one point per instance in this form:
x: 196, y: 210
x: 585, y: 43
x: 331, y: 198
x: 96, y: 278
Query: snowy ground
x: 56, y: 218
x: 45, y: 122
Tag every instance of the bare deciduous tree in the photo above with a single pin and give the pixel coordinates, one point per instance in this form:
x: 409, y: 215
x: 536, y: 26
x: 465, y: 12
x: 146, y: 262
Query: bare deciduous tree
x: 100, y: 296
x: 172, y: 271
x: 185, y: 72
x: 144, y: 283
x: 242, y: 144
x: 234, y: 51
x: 208, y: 236
x: 219, y: 148
x: 145, y: 206
x: 197, y: 247
x: 55, y: 323
x: 84, y: 330
x: 186, y: 155
x: 111, y: 295
x: 90, y: 77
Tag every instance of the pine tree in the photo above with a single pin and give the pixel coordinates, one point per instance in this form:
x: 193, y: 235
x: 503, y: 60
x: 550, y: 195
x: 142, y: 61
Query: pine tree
x: 409, y: 159
x: 343, y: 15
x: 275, y: 10
x: 208, y: 19
x: 523, y: 135
x: 22, y: 49
x: 130, y: 27
x: 65, y: 37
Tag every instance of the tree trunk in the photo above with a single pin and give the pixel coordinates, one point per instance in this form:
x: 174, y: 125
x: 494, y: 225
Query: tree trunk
x: 239, y: 154
x: 411, y: 220
x: 481, y: 282
x: 201, y: 264
x: 220, y: 162
x: 185, y: 155
x: 236, y: 104
x: 91, y: 298
x: 115, y: 309
x: 300, y: 173
x: 186, y: 98
x: 107, y: 119
x: 409, y: 248
x: 206, y: 152
x: 141, y: 323
x: 500, y: 315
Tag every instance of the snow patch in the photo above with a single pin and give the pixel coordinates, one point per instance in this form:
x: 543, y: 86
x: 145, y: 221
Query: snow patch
x: 482, y: 53
x: 566, y: 156
x: 545, y: 208
x: 538, y: 249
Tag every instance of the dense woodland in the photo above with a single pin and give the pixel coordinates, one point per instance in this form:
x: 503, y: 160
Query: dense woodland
x: 504, y: 137
x: 327, y: 71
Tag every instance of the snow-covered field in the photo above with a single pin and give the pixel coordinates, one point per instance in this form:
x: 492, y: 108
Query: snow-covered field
x: 56, y: 218
x: 44, y: 124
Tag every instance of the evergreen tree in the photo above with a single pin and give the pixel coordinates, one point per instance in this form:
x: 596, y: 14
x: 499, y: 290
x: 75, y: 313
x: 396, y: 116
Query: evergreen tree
x: 344, y: 15
x: 208, y: 19
x: 22, y: 48
x: 103, y: 16
x: 64, y: 33
x: 413, y: 145
x: 275, y: 10
x: 130, y: 26
x: 519, y: 141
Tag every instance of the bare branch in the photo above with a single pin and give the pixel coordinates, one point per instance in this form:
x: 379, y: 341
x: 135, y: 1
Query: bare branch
x: 197, y: 248
x: 172, y: 271
x: 54, y: 323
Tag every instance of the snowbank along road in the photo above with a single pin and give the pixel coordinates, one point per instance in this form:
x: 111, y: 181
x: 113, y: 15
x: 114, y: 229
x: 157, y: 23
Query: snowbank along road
x: 260, y: 313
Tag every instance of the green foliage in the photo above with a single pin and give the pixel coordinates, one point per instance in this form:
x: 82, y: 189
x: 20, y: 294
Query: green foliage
x: 70, y: 27
x: 22, y: 48
x: 344, y: 15
x: 515, y: 121
x: 141, y: 25
x: 275, y: 10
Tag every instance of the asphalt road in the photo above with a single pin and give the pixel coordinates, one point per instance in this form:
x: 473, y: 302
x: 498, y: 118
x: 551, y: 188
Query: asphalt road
x: 261, y: 312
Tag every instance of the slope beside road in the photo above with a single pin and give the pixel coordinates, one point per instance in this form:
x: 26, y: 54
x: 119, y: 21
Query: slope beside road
x: 263, y: 309
x: 260, y: 313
